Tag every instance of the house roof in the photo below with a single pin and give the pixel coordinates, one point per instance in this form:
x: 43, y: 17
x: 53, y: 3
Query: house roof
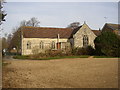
x: 76, y: 29
x: 97, y: 32
x: 43, y: 32
x: 113, y: 26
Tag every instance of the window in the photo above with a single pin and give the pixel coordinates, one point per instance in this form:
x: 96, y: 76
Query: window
x: 41, y: 45
x: 53, y: 45
x: 85, y: 40
x: 59, y: 45
x: 28, y: 45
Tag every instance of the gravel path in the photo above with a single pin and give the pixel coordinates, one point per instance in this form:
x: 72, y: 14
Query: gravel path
x: 61, y: 73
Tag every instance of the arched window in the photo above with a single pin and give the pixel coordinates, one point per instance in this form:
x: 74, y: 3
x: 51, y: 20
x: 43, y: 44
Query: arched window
x: 85, y: 40
x: 28, y: 45
x: 53, y: 45
x: 41, y: 45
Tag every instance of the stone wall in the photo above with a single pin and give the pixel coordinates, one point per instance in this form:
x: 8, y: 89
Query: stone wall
x: 35, y: 44
x: 78, y: 37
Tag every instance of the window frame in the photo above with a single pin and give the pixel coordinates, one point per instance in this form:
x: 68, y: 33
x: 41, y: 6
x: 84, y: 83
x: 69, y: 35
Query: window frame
x: 85, y: 40
x: 53, y: 45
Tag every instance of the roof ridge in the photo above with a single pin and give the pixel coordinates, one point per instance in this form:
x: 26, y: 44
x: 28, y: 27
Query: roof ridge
x: 112, y: 24
x: 44, y: 27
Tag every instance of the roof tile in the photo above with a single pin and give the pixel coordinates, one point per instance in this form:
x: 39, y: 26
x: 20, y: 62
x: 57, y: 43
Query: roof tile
x: 41, y: 32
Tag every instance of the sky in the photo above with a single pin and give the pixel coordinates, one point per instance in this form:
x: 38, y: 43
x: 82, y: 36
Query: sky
x: 60, y: 14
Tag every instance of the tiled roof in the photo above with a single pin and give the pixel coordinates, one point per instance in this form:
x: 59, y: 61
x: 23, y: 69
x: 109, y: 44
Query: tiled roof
x: 97, y: 32
x: 44, y: 32
x: 41, y: 32
x: 113, y: 26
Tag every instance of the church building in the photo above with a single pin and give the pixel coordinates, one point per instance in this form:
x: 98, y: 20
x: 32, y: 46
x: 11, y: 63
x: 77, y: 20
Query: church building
x: 40, y: 39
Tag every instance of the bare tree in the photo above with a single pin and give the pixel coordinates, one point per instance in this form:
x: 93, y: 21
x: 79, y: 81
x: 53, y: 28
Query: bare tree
x: 32, y: 22
x: 23, y: 23
x: 15, y: 39
x: 4, y: 43
x: 74, y: 25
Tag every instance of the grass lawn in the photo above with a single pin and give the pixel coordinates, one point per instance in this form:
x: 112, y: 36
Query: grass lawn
x: 105, y: 57
x: 49, y: 58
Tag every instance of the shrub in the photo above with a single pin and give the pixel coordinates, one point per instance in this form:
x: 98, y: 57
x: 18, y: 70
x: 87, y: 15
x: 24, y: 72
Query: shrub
x: 108, y: 43
x: 74, y: 51
x: 83, y: 51
x: 90, y: 50
x: 53, y: 53
x: 68, y: 52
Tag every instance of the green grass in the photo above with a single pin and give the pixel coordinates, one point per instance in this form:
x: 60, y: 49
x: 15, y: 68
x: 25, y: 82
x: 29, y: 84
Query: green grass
x: 58, y: 57
x: 105, y: 57
x: 49, y: 58
x: 20, y: 57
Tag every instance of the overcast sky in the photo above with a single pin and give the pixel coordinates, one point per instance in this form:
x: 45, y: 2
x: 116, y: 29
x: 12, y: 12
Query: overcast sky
x: 60, y: 14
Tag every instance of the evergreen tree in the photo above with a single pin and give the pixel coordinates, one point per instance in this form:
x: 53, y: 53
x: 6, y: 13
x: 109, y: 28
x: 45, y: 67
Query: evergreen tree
x: 2, y: 13
x: 108, y: 43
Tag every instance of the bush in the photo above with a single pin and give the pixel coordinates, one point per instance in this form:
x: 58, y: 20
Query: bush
x: 90, y: 50
x: 74, y: 51
x: 108, y: 43
x: 40, y: 55
x: 83, y: 51
x: 50, y: 53
x: 53, y: 53
x: 58, y: 53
